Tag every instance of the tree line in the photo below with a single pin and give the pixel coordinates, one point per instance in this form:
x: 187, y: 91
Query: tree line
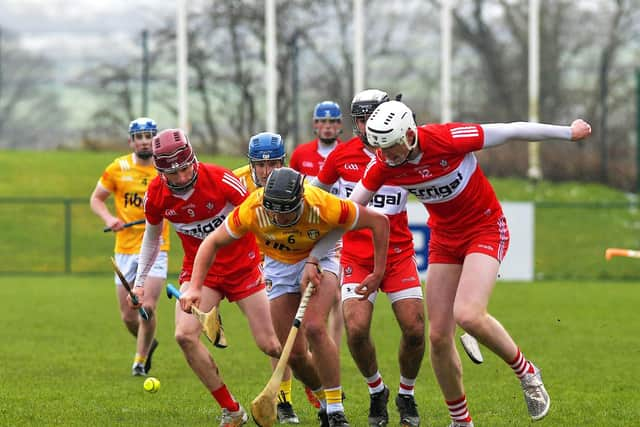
x: 587, y: 70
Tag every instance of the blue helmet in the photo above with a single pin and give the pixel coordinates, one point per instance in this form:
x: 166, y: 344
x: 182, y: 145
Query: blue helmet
x: 327, y: 110
x: 143, y: 124
x: 265, y: 146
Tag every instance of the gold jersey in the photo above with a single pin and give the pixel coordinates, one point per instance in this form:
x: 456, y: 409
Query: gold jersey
x: 322, y: 212
x: 244, y: 175
x: 128, y: 182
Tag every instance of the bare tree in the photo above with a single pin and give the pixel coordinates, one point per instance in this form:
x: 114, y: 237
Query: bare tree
x: 314, y: 63
x: 29, y: 105
x: 496, y: 33
x: 607, y: 57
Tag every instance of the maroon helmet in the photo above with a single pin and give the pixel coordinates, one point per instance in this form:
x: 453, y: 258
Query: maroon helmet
x: 173, y: 152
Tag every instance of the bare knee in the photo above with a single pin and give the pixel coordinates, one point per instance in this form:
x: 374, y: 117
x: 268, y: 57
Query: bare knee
x: 469, y: 317
x: 314, y: 329
x: 439, y: 340
x: 357, y: 334
x: 413, y: 337
x: 186, y: 340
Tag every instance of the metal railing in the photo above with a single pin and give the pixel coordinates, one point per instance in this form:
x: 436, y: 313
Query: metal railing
x: 56, y: 235
x: 66, y: 204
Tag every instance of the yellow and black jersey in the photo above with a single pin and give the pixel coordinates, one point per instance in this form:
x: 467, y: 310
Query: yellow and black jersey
x: 322, y: 212
x: 128, y: 182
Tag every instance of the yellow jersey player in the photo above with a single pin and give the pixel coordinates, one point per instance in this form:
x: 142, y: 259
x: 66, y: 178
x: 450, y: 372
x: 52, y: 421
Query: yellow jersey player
x: 127, y: 178
x: 288, y: 218
x: 266, y: 152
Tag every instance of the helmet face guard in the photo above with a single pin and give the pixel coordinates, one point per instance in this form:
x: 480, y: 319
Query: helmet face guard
x: 363, y: 105
x: 265, y: 146
x: 172, y: 152
x: 283, y: 196
x: 140, y: 126
x: 327, y: 111
x: 388, y: 127
x: 183, y: 188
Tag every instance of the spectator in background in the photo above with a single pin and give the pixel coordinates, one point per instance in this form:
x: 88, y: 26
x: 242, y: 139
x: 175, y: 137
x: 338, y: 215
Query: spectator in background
x: 196, y: 198
x: 309, y: 157
x: 127, y: 178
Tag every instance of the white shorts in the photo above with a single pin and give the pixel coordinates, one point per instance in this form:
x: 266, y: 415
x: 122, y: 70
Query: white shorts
x: 128, y: 264
x: 349, y: 291
x: 281, y: 278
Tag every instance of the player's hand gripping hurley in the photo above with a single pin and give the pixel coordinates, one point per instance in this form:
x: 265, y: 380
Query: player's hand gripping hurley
x: 134, y: 298
x: 211, y: 322
x: 263, y: 407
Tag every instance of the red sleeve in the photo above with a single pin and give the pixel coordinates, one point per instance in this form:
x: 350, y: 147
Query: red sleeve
x: 328, y: 175
x: 232, y: 188
x: 373, y: 177
x: 153, y: 209
x: 459, y: 138
x: 294, y: 162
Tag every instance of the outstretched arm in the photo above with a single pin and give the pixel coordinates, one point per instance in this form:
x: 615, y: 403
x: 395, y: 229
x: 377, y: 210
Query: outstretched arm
x: 499, y: 133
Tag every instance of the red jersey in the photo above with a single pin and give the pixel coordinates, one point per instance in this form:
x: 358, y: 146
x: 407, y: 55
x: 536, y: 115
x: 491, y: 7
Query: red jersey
x: 446, y: 177
x: 345, y: 166
x: 216, y: 192
x: 307, y: 159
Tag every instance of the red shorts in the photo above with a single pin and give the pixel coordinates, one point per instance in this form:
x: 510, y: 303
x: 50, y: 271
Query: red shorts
x: 232, y: 288
x: 398, y: 276
x: 450, y: 248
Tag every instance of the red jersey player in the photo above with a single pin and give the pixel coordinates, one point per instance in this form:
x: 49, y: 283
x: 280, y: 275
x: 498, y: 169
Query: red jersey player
x: 345, y: 165
x: 196, y: 198
x: 309, y: 157
x: 469, y: 234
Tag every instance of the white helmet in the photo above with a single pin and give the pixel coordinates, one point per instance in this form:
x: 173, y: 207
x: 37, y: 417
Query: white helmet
x: 388, y: 125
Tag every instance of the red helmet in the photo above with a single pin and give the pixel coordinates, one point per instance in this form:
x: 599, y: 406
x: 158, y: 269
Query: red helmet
x: 172, y: 152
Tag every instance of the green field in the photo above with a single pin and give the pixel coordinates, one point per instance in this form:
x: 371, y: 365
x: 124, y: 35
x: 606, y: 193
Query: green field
x: 574, y: 223
x: 66, y: 356
x: 34, y: 215
x: 66, y: 360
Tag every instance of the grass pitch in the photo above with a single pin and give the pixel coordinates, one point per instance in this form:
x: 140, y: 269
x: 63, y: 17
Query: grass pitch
x: 66, y: 360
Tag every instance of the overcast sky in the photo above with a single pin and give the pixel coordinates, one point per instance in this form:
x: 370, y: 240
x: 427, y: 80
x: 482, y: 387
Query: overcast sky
x: 72, y: 29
